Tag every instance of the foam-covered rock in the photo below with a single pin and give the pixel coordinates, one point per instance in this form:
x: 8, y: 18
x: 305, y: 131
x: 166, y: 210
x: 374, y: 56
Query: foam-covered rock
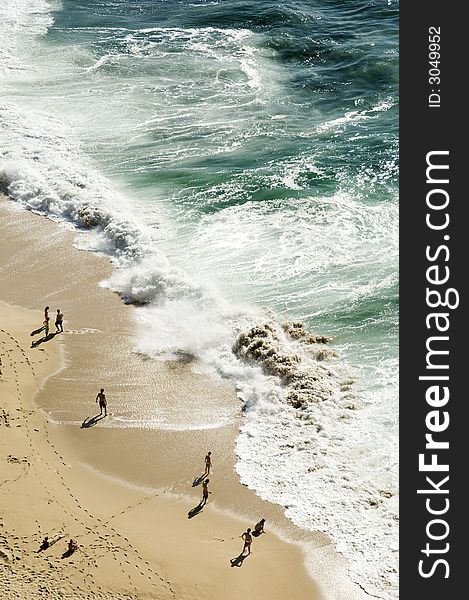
x: 267, y: 346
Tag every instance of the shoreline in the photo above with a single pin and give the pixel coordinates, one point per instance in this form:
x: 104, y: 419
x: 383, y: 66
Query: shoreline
x: 155, y: 459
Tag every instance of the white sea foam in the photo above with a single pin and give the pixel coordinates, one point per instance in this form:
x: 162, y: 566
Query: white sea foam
x: 22, y: 21
x: 295, y: 242
x: 353, y: 117
x: 317, y: 463
x: 43, y: 168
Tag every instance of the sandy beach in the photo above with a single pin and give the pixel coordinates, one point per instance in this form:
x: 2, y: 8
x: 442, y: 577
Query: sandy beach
x: 124, y: 493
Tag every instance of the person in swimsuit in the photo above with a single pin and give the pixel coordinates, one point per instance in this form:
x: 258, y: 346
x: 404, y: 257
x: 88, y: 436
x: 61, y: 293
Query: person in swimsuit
x: 47, y: 541
x: 259, y: 527
x: 59, y: 321
x: 101, y: 398
x: 205, y: 491
x: 208, y: 463
x: 46, y: 313
x: 247, y: 537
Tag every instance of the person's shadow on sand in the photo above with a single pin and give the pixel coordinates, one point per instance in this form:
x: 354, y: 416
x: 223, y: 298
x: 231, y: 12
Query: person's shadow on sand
x: 36, y: 331
x: 238, y: 561
x: 198, y: 480
x: 90, y: 421
x: 195, y: 511
x: 67, y: 554
x: 44, y: 339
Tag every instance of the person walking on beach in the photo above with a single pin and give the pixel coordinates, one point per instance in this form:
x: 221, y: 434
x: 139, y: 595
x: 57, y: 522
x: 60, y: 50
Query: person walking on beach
x: 205, y: 492
x: 101, y: 398
x: 208, y: 463
x: 59, y: 321
x: 247, y: 537
x: 259, y: 527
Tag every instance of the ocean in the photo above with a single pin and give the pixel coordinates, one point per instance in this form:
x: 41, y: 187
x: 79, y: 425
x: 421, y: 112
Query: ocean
x: 238, y: 160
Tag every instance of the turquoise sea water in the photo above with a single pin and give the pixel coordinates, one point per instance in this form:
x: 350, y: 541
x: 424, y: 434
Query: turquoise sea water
x: 239, y: 160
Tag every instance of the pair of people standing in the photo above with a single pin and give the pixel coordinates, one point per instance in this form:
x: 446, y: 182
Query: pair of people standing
x: 205, y: 492
x: 59, y: 319
x: 247, y: 535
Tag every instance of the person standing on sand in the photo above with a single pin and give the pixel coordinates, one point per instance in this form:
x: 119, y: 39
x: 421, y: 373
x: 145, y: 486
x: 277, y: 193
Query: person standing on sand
x: 205, y: 492
x: 208, y: 463
x: 46, y: 313
x: 46, y: 326
x: 102, y: 402
x: 247, y: 537
x: 59, y: 321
